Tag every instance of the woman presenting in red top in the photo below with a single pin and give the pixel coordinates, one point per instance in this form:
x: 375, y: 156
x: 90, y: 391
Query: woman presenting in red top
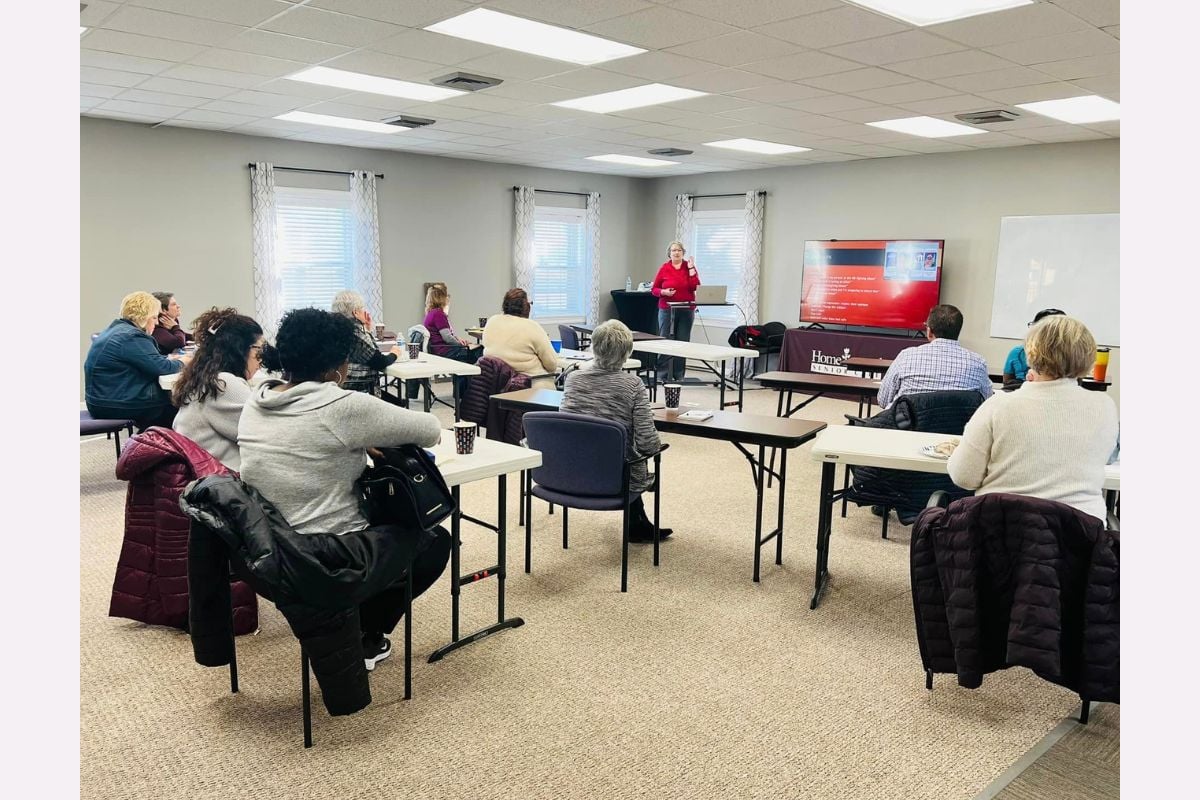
x: 675, y: 282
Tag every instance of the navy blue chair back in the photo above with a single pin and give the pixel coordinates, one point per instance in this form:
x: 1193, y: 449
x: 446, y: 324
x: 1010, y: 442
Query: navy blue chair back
x: 569, y: 337
x: 581, y: 455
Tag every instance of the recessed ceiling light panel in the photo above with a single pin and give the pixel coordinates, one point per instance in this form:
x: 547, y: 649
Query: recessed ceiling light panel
x: 358, y: 82
x: 636, y: 161
x: 339, y: 122
x: 1077, y: 110
x: 536, y: 38
x: 651, y: 94
x: 929, y: 127
x: 756, y: 146
x: 931, y: 12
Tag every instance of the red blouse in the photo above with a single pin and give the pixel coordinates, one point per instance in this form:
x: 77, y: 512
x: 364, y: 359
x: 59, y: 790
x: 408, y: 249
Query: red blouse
x: 683, y: 280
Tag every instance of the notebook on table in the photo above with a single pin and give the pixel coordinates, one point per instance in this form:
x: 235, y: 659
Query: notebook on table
x: 711, y: 295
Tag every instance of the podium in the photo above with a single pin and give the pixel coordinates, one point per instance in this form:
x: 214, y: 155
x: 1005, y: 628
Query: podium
x: 638, y: 310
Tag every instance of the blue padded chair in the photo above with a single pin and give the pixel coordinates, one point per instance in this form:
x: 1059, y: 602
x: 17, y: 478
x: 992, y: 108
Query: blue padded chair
x: 583, y: 466
x: 111, y: 428
x: 569, y: 337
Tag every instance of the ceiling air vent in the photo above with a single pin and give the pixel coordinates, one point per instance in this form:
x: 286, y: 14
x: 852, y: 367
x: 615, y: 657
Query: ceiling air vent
x: 669, y: 151
x: 466, y: 82
x: 987, y: 117
x: 405, y: 121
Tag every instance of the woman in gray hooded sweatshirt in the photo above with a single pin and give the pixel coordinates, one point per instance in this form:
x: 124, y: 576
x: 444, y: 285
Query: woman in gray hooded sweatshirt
x: 304, y: 442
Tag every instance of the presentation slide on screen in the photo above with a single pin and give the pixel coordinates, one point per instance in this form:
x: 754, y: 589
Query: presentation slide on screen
x: 881, y: 284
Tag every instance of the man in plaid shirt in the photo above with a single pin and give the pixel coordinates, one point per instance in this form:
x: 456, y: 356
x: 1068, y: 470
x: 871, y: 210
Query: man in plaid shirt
x: 941, y: 365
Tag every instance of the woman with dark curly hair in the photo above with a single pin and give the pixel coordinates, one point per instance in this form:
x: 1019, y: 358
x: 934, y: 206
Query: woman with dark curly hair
x: 304, y: 441
x: 213, y: 388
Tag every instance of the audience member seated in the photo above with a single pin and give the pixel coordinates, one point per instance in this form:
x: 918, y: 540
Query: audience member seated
x: 305, y: 442
x: 167, y: 334
x: 608, y: 392
x: 122, y: 367
x: 517, y: 340
x: 941, y: 365
x: 443, y: 340
x: 366, y: 362
x: 1015, y: 366
x: 212, y: 390
x: 1051, y: 438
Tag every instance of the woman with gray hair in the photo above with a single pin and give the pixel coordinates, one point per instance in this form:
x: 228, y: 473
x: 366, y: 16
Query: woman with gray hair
x: 607, y: 392
x: 366, y: 362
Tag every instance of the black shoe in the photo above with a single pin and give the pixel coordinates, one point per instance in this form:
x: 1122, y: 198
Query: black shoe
x: 878, y: 511
x: 640, y: 535
x: 375, y: 649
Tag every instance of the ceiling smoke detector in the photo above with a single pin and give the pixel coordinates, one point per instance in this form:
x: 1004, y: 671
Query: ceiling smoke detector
x: 669, y: 151
x: 405, y: 121
x: 466, y: 82
x: 987, y: 117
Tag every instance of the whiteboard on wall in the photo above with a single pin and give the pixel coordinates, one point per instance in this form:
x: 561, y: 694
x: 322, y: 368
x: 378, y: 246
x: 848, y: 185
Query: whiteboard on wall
x: 1067, y: 261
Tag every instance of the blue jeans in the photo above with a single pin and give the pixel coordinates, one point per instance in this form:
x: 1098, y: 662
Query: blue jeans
x: 671, y: 368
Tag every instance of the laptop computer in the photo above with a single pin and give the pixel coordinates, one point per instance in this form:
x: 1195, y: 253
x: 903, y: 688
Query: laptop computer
x: 710, y: 295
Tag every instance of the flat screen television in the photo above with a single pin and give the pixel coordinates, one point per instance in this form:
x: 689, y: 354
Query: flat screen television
x: 871, y: 283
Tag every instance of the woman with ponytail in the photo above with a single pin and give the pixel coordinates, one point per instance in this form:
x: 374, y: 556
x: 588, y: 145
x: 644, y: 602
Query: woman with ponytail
x: 213, y: 388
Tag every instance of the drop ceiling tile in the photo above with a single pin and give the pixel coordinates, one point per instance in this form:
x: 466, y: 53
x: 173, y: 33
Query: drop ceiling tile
x: 995, y: 79
x: 660, y: 113
x: 214, y: 118
x: 801, y: 66
x: 88, y: 103
x: 938, y: 145
x: 219, y: 77
x: 828, y: 102
x: 734, y: 49
x: 779, y: 92
x: 1075, y: 68
x: 858, y: 80
x: 433, y: 47
x: 278, y: 45
x: 121, y: 62
x: 590, y: 81
x: 954, y: 104
x: 251, y: 63
x: 371, y: 62
x: 871, y: 114
x: 99, y: 90
x: 995, y: 137
x: 133, y: 44
x: 906, y: 46
x: 188, y: 88
x: 1113, y: 30
x: 1052, y: 90
x: 327, y: 26
x: 271, y: 100
x: 95, y: 12
x: 1112, y: 128
x: 1078, y: 44
x: 410, y: 13
x: 877, y: 151
x: 834, y: 27
x: 482, y: 102
x: 964, y: 62
x: 337, y: 108
x: 658, y: 27
x: 1104, y: 85
x: 656, y: 66
x: 906, y: 92
x: 531, y: 92
x: 1097, y: 12
x: 311, y: 91
x: 722, y: 80
x: 164, y: 25
x: 466, y: 128
x: 1012, y: 25
x: 238, y: 12
x: 244, y: 109
x: 110, y: 77
x: 123, y: 116
x: 570, y: 13
x: 1061, y: 133
x: 711, y: 104
x: 142, y: 109
x: 162, y: 98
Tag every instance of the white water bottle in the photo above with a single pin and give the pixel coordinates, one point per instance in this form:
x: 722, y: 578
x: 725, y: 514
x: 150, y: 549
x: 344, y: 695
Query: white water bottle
x: 628, y: 283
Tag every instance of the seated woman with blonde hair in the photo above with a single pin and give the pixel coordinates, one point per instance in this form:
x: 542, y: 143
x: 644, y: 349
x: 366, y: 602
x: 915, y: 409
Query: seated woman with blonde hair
x: 1051, y: 438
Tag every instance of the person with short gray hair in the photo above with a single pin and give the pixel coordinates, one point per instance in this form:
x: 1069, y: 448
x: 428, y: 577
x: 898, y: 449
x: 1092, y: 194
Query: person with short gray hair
x: 607, y: 392
x: 366, y: 362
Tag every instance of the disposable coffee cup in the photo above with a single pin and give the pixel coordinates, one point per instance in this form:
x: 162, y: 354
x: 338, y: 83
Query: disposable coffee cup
x: 414, y: 351
x: 464, y: 438
x: 1100, y: 368
x: 378, y: 331
x: 671, y: 391
x: 482, y: 321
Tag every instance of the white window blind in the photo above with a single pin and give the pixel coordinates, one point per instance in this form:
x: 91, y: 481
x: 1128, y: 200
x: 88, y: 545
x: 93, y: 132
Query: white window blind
x: 560, y: 280
x: 719, y: 248
x: 313, y: 247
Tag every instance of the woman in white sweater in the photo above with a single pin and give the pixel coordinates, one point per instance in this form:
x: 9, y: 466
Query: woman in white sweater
x: 1051, y: 438
x: 213, y: 388
x: 517, y: 340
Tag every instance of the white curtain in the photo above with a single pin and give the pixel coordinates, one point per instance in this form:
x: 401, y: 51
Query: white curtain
x: 752, y: 247
x: 268, y: 282
x: 364, y: 210
x: 683, y: 219
x: 523, y: 238
x: 592, y: 239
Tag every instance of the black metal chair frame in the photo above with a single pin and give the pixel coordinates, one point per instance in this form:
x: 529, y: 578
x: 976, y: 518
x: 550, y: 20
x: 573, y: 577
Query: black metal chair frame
x: 114, y: 432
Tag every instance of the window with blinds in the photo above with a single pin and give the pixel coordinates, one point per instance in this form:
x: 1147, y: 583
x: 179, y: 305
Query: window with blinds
x: 313, y: 245
x: 718, y: 248
x: 560, y: 281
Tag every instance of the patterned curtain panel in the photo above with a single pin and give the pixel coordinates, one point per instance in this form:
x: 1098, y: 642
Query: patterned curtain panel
x: 365, y: 211
x: 592, y: 237
x: 752, y: 248
x: 268, y: 283
x: 523, y: 238
x: 683, y: 220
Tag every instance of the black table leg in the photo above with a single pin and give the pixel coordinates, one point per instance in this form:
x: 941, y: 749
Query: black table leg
x: 824, y: 524
x: 760, y: 486
x: 779, y: 521
x: 428, y: 401
x: 457, y: 399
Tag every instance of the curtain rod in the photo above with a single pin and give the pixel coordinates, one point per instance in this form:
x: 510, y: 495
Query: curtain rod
x: 555, y: 191
x: 317, y: 171
x: 732, y: 194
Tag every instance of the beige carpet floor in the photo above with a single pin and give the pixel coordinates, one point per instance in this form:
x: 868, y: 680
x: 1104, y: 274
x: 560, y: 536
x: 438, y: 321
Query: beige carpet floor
x: 697, y: 683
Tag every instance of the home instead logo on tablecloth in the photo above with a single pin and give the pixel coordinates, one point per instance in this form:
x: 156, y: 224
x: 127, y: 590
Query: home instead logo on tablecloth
x: 831, y: 365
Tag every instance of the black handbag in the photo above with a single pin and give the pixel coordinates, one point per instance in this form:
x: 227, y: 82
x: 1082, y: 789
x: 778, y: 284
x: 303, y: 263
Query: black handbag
x: 405, y: 488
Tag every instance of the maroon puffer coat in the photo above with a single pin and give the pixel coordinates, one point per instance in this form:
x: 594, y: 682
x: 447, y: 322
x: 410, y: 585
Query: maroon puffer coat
x: 495, y: 377
x: 151, y: 582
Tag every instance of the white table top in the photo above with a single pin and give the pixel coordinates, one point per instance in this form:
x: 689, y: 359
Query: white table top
x: 568, y: 358
x: 696, y: 350
x: 427, y: 366
x: 491, y: 458
x: 882, y: 447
